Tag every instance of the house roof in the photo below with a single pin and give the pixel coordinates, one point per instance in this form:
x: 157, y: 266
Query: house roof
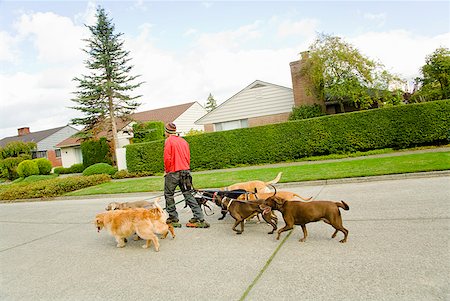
x: 166, y: 114
x: 31, y: 137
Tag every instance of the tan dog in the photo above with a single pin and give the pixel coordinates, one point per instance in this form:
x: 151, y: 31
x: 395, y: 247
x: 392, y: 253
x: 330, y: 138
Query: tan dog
x: 145, y: 223
x: 254, y: 186
x: 131, y: 205
x: 287, y: 195
x: 301, y: 213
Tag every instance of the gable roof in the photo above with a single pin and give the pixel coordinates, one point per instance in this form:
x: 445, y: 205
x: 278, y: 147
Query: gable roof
x: 31, y: 137
x: 166, y: 114
x: 251, y: 111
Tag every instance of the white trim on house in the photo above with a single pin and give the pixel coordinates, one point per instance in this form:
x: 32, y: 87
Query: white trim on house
x: 256, y: 100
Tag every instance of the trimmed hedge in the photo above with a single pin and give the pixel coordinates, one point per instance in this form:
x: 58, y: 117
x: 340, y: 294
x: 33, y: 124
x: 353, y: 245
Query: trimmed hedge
x: 148, y: 131
x: 27, y: 168
x: 99, y: 168
x: 51, y: 188
x: 396, y: 127
x: 44, y: 165
x: 8, y: 166
x: 75, y: 168
x: 96, y: 151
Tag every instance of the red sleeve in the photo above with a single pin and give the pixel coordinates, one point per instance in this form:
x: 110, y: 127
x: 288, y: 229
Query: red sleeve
x: 168, y: 156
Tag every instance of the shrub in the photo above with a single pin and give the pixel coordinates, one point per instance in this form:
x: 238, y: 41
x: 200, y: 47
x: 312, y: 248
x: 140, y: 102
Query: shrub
x: 44, y: 165
x: 148, y: 131
x: 8, y: 166
x: 51, y: 188
x: 394, y: 127
x: 75, y: 168
x: 27, y: 168
x: 305, y: 112
x: 95, y: 151
x: 99, y: 168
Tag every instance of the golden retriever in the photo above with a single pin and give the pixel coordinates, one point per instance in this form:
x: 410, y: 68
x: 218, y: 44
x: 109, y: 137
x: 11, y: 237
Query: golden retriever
x: 144, y: 222
x: 287, y: 195
x: 254, y: 186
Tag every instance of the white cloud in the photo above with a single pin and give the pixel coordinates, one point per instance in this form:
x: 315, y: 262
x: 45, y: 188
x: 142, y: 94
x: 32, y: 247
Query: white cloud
x: 400, y: 51
x: 8, y: 51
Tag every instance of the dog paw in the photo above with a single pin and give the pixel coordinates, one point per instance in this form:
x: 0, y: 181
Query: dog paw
x: 144, y: 246
x: 120, y: 245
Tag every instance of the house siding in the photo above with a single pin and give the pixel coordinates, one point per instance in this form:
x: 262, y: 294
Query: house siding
x: 51, y: 141
x: 185, y: 122
x: 253, y: 102
x: 70, y: 156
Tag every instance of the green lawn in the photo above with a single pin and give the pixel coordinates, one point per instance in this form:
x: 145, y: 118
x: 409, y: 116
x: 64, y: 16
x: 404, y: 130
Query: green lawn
x: 361, y: 167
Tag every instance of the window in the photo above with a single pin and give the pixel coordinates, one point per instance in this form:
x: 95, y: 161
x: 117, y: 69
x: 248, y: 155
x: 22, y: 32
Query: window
x: 39, y: 154
x: 231, y: 125
x: 58, y: 153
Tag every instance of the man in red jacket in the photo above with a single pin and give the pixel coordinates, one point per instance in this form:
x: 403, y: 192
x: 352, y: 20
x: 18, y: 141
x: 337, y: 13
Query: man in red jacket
x: 177, y: 158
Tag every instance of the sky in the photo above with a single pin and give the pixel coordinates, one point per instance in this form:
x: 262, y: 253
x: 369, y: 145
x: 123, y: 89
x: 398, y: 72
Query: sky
x: 185, y: 50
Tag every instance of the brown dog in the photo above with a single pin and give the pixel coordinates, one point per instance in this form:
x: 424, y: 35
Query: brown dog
x: 241, y: 210
x: 301, y: 213
x: 254, y: 186
x: 143, y: 222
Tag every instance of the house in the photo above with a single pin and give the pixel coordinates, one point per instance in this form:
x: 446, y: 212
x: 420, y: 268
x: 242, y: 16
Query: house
x: 183, y: 115
x: 46, y: 141
x: 257, y: 104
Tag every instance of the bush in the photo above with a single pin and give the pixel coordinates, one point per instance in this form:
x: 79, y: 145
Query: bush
x: 395, y: 127
x: 44, y: 165
x: 148, y: 131
x: 306, y: 111
x: 95, y: 151
x: 75, y: 168
x: 27, y: 168
x: 8, y: 166
x: 99, y: 168
x: 51, y: 188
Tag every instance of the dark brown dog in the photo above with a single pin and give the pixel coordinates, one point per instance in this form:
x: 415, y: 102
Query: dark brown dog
x: 240, y: 210
x: 301, y: 213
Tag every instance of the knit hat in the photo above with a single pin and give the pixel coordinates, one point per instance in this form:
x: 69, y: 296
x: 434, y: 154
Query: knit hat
x: 170, y: 128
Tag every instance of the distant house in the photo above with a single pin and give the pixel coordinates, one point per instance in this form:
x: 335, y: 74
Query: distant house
x: 183, y: 115
x: 46, y: 141
x: 257, y: 104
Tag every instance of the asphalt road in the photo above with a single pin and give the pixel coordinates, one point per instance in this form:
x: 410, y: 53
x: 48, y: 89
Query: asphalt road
x: 398, y: 249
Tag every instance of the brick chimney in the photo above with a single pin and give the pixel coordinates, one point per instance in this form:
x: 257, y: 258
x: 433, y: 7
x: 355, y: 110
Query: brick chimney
x: 23, y: 131
x: 300, y: 84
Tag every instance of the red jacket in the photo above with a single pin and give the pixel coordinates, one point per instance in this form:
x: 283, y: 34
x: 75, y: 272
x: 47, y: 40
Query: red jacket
x: 176, y: 154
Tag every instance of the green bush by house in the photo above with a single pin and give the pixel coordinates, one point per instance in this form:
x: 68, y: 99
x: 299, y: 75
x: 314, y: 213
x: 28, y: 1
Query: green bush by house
x: 148, y: 131
x: 395, y: 127
x: 99, y: 168
x: 27, y: 168
x: 44, y: 165
x: 95, y: 151
x: 75, y: 168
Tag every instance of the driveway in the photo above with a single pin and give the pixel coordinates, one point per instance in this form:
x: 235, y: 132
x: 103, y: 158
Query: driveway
x: 398, y: 249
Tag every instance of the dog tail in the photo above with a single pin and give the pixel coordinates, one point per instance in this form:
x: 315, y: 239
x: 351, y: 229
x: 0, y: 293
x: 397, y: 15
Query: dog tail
x: 305, y: 199
x: 343, y: 205
x: 274, y: 181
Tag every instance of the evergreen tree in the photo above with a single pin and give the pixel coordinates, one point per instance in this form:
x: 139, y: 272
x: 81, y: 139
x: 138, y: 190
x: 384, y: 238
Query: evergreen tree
x: 211, y: 103
x: 102, y: 96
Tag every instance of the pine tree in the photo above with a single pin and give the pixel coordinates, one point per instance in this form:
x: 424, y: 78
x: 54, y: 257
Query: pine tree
x: 102, y: 96
x: 211, y: 103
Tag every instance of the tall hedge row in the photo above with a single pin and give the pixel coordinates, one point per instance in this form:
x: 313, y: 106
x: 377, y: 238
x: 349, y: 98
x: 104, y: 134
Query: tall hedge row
x: 95, y: 151
x: 396, y: 127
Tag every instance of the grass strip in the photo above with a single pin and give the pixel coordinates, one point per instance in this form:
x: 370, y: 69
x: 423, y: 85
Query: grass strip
x: 249, y: 288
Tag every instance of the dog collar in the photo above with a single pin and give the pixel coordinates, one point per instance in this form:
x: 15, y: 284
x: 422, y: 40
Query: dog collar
x: 231, y: 201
